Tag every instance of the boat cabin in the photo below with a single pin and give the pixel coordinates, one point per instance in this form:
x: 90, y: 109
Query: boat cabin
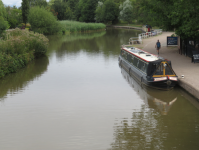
x: 149, y: 64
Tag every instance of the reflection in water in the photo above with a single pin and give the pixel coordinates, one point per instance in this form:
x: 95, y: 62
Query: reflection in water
x: 107, y: 43
x: 162, y: 100
x: 17, y: 81
x: 150, y: 127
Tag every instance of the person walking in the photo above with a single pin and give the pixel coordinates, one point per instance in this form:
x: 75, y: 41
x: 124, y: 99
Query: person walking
x: 158, y: 46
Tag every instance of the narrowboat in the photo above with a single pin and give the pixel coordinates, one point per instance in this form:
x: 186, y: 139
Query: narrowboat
x: 151, y: 70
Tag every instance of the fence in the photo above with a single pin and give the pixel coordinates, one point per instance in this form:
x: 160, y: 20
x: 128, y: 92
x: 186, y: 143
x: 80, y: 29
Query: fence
x: 138, y: 40
x: 149, y: 34
x: 187, y: 46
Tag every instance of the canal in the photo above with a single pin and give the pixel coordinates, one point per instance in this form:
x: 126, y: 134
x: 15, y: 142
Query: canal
x: 79, y: 98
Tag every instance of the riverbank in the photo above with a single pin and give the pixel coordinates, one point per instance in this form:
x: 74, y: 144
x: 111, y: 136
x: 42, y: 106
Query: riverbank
x: 181, y: 64
x: 124, y: 27
x: 19, y: 47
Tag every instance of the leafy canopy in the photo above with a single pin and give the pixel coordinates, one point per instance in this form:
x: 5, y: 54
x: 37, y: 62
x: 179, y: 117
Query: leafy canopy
x: 42, y: 21
x: 25, y: 10
x: 126, y: 11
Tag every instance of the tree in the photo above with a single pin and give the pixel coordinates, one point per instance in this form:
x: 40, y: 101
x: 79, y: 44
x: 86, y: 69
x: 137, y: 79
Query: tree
x: 2, y: 10
x: 3, y: 25
x: 179, y: 14
x: 42, y: 21
x: 110, y: 11
x: 69, y: 14
x: 25, y: 10
x: 72, y: 4
x: 126, y: 11
x: 99, y: 12
x: 40, y: 3
x: 87, y: 8
x: 14, y: 16
x: 78, y: 8
x: 60, y: 7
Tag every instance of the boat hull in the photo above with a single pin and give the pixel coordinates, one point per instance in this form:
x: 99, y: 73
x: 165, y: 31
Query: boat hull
x: 147, y: 81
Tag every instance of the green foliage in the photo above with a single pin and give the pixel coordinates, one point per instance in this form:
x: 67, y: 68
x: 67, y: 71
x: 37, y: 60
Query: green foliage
x: 178, y: 14
x: 18, y: 48
x: 14, y: 16
x: 63, y: 10
x: 42, y: 21
x: 39, y: 3
x: 173, y: 35
x: 3, y: 25
x: 107, y: 12
x: 77, y: 11
x: 99, y: 12
x: 72, y: 4
x: 69, y: 14
x: 74, y: 26
x: 126, y: 11
x: 25, y: 10
x: 110, y: 11
x: 88, y: 8
x: 2, y: 10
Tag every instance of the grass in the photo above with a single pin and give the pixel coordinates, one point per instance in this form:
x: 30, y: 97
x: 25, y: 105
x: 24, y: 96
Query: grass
x: 75, y: 26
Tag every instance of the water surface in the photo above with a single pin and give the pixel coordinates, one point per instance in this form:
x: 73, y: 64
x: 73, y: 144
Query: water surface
x: 79, y: 98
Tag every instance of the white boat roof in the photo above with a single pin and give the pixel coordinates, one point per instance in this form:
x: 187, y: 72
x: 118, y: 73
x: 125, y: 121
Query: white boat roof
x: 142, y: 54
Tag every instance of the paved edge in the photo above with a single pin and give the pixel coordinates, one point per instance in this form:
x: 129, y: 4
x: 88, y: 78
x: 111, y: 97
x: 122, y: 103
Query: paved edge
x: 189, y: 88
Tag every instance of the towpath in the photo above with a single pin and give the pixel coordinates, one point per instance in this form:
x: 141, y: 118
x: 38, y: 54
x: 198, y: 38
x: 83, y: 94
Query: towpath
x: 181, y: 64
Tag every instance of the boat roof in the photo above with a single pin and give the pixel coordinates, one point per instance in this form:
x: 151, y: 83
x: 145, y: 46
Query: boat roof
x: 146, y: 56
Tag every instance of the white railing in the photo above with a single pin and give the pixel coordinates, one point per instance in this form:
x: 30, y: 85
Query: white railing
x: 135, y: 40
x: 138, y: 40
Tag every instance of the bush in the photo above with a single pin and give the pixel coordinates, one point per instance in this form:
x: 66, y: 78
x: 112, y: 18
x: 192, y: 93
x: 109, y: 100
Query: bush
x: 20, y: 47
x: 42, y: 21
x: 3, y: 25
x: 174, y: 35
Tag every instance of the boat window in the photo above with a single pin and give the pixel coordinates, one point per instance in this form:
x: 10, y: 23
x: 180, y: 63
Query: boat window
x: 125, y: 55
x: 168, y: 70
x: 141, y: 63
x: 129, y: 58
x: 132, y: 59
x: 138, y: 63
x: 122, y: 53
x: 159, y: 70
x: 144, y: 67
x: 135, y: 61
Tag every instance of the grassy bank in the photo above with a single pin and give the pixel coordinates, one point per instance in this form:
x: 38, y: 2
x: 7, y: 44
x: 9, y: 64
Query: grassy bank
x: 18, y: 47
x: 74, y: 26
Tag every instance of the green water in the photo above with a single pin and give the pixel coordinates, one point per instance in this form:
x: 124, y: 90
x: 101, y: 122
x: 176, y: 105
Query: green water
x: 78, y: 97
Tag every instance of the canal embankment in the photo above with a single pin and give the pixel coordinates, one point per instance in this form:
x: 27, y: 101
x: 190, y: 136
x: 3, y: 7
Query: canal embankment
x: 124, y: 27
x: 181, y: 64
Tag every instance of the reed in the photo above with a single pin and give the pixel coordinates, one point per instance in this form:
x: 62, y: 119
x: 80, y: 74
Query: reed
x: 75, y: 26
